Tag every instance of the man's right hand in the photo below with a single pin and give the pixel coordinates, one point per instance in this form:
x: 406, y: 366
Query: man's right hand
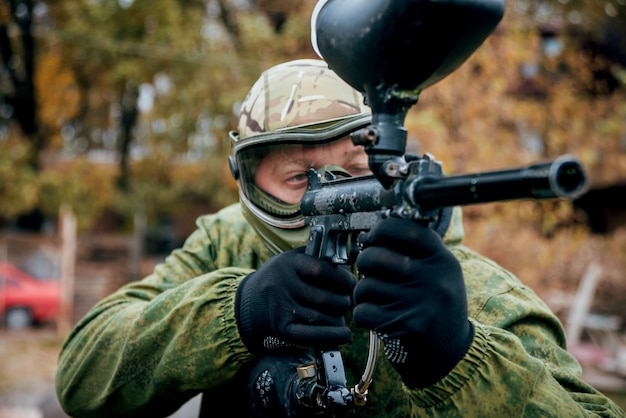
x: 294, y: 300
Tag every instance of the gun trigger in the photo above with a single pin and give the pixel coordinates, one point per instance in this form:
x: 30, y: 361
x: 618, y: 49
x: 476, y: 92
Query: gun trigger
x: 341, y: 250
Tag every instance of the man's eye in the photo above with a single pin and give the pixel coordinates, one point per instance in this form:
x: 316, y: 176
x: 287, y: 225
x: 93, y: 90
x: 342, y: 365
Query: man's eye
x: 298, y: 178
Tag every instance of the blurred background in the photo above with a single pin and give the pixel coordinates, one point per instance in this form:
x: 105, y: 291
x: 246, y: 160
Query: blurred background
x: 114, y: 116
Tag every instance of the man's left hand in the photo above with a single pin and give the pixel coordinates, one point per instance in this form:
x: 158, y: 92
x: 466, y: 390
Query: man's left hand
x: 413, y: 297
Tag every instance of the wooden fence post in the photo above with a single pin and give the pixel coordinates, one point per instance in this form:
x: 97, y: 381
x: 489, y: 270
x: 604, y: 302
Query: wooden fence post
x: 582, y: 303
x: 68, y: 263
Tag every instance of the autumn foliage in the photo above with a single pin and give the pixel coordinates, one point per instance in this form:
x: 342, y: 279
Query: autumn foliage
x: 135, y: 100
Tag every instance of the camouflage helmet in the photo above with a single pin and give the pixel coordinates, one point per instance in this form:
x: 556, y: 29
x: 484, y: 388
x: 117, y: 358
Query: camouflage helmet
x: 297, y: 102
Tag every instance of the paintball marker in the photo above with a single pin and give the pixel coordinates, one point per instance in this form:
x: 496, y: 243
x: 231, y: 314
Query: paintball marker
x: 369, y: 45
x: 339, y: 209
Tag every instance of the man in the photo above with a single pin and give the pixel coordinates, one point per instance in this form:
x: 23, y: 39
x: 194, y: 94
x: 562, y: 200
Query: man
x: 461, y: 336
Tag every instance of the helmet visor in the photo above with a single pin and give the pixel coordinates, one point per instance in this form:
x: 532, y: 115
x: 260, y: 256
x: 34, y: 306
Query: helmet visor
x: 274, y: 175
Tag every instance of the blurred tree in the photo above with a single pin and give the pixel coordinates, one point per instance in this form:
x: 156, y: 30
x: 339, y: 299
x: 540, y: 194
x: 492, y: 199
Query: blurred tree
x: 531, y: 93
x: 156, y: 82
x: 549, y: 81
x: 18, y: 69
x: 131, y: 102
x: 153, y: 87
x: 18, y: 180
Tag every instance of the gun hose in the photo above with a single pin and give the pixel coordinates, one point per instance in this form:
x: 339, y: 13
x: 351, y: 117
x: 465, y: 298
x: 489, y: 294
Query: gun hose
x: 360, y: 389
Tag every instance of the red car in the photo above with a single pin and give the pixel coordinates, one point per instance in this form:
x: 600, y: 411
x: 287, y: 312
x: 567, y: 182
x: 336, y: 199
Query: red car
x: 25, y: 300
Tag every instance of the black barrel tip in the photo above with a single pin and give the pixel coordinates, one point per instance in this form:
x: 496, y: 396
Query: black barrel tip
x: 568, y: 177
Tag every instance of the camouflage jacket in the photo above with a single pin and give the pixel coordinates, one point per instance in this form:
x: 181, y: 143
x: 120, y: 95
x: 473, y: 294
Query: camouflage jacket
x: 153, y: 344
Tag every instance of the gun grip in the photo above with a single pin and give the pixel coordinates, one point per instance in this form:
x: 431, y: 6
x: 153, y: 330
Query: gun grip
x: 316, y: 238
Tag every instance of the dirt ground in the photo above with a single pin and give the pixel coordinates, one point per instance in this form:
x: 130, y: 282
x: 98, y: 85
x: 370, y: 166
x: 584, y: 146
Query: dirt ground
x: 28, y: 361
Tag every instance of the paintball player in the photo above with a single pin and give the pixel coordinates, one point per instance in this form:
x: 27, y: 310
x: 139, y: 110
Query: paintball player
x: 461, y: 336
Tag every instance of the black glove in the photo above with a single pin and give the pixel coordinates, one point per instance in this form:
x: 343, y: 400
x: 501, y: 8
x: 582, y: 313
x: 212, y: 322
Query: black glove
x: 413, y: 297
x: 294, y: 300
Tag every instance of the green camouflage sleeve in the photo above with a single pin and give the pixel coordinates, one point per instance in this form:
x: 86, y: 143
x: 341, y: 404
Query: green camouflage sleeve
x: 518, y: 365
x: 153, y: 344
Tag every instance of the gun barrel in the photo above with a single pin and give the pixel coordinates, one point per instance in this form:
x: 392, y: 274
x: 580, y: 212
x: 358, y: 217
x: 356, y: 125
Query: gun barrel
x: 564, y: 177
